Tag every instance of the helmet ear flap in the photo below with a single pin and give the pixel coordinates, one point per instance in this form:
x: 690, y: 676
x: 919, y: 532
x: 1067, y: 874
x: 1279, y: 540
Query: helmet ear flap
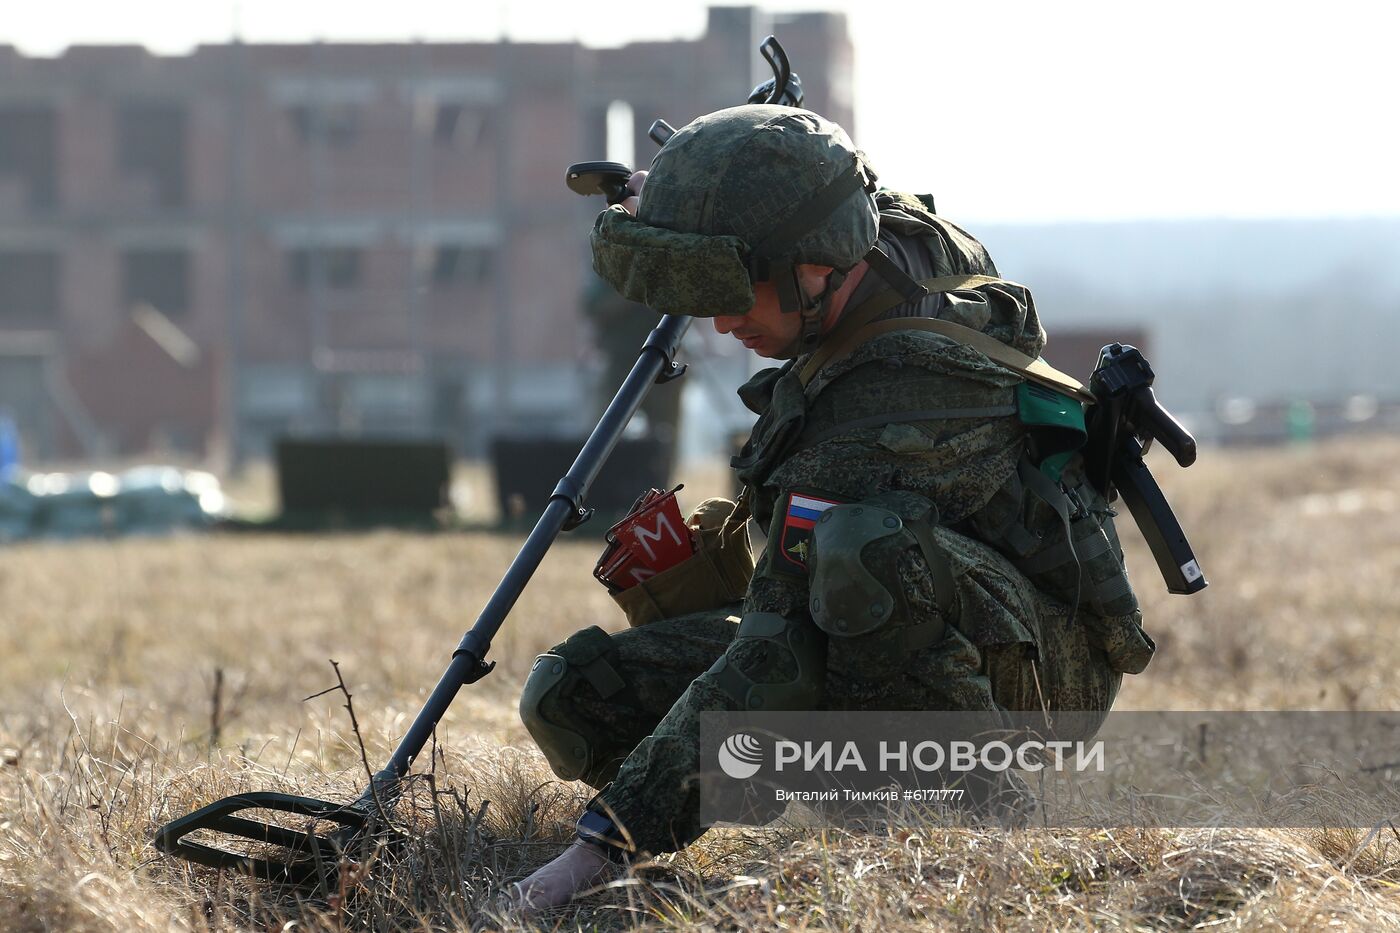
x: 669, y: 271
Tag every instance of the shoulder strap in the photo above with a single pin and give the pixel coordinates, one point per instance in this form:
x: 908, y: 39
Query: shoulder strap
x: 860, y: 325
x: 1034, y: 369
x: 842, y: 340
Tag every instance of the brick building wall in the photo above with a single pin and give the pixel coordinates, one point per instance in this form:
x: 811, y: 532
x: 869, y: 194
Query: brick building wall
x: 200, y: 252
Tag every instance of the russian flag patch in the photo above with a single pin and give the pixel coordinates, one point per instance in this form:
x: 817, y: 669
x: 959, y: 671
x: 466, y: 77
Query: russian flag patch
x: 800, y: 514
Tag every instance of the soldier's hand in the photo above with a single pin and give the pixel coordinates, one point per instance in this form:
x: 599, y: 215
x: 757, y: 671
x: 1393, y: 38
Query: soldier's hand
x: 634, y: 184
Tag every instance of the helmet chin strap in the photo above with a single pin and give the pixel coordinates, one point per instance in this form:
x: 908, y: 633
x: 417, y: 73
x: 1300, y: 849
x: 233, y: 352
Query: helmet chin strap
x: 812, y: 308
x: 815, y: 310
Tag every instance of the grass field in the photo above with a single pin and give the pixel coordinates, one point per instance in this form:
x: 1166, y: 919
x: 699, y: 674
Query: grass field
x: 140, y: 679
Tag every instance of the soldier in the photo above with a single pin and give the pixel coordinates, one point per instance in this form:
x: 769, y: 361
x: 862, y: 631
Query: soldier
x: 960, y: 499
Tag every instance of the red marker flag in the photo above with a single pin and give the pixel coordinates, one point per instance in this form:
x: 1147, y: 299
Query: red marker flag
x: 651, y: 538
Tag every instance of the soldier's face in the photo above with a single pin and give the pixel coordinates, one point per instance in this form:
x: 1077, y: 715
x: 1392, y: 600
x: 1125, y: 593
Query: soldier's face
x: 766, y: 330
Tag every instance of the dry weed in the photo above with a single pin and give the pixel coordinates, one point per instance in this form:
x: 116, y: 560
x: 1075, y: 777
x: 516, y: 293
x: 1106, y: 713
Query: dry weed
x: 142, y: 679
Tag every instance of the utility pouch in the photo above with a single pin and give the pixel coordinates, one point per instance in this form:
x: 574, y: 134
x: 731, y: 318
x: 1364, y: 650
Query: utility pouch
x: 1122, y: 638
x: 717, y: 574
x: 1056, y: 527
x: 1061, y: 536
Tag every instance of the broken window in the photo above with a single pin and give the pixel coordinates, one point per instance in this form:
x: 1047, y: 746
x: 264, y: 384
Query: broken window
x: 156, y: 277
x: 151, y: 145
x: 331, y: 266
x: 27, y: 151
x: 28, y: 283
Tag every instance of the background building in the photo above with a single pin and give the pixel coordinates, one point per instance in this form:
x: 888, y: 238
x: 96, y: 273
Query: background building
x: 201, y: 252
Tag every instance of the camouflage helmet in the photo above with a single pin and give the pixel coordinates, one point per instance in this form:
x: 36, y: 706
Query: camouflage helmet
x: 739, y: 196
x: 747, y: 170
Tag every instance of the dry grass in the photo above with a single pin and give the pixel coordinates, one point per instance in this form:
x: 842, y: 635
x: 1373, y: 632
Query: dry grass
x: 141, y: 679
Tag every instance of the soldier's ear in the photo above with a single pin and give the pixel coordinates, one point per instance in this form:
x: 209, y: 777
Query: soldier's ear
x: 812, y: 277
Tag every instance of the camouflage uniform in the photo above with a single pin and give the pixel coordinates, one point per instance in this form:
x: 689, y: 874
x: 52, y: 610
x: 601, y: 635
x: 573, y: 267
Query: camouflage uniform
x: 915, y: 430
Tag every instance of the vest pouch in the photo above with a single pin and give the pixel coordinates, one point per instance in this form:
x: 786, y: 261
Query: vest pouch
x: 1100, y: 574
x: 1073, y: 672
x: 1087, y: 569
x: 1083, y: 567
x: 715, y: 575
x: 1128, y: 647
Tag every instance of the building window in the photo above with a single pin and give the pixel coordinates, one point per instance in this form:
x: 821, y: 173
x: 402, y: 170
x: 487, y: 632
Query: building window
x: 27, y: 151
x: 28, y: 284
x: 157, y: 277
x: 461, y: 265
x: 461, y: 126
x: 332, y: 124
x: 445, y: 123
x: 332, y: 267
x: 151, y: 146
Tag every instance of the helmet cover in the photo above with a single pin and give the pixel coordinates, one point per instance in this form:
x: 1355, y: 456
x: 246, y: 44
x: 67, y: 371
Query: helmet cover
x: 735, y: 197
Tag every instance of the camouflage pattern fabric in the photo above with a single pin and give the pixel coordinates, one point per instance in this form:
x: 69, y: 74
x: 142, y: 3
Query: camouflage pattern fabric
x: 955, y: 441
x: 671, y: 272
x: 646, y: 737
x: 717, y: 197
x: 654, y: 661
x: 702, y: 182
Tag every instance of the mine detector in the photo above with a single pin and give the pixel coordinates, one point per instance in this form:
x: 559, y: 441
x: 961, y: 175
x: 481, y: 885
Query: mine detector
x: 1125, y: 418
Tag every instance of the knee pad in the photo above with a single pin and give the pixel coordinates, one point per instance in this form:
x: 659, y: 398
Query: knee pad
x: 879, y: 584
x: 569, y: 740
x: 773, y: 663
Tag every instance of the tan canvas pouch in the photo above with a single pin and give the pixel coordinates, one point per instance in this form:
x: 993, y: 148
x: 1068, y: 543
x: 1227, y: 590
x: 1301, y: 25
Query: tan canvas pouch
x: 716, y: 575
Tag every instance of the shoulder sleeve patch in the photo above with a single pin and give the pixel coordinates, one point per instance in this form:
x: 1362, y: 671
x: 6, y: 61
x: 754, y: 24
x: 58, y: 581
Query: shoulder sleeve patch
x: 793, y: 521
